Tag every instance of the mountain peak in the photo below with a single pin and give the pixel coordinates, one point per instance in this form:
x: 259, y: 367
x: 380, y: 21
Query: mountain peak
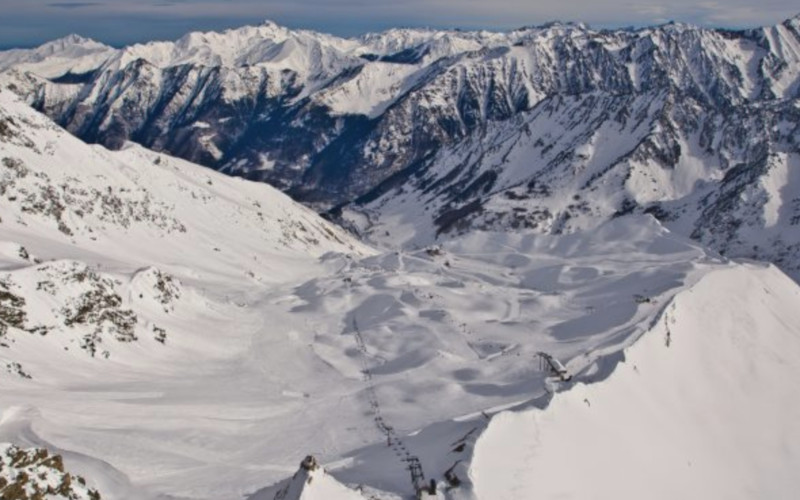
x: 73, y: 53
x: 269, y: 23
x: 565, y: 24
x: 74, y: 40
x: 793, y: 21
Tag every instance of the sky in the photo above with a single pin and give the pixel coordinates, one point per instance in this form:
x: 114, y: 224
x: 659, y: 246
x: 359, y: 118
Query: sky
x: 26, y: 23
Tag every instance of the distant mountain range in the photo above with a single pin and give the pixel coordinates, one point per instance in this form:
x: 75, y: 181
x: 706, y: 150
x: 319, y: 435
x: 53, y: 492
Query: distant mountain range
x: 420, y: 133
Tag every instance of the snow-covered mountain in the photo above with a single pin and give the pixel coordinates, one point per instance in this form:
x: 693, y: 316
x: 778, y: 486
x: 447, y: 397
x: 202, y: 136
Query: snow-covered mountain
x: 172, y: 332
x: 118, y: 265
x: 727, y: 179
x: 552, y: 128
x: 148, y: 222
x: 61, y: 59
x: 87, y: 195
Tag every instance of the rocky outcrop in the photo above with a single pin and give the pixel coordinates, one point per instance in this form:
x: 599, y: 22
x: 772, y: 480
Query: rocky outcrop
x: 35, y: 474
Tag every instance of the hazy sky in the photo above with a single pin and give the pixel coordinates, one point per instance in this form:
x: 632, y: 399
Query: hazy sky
x: 118, y: 22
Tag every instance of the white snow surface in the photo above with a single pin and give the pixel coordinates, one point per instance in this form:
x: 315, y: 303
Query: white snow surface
x: 72, y: 53
x: 264, y: 334
x: 701, y: 407
x: 315, y: 484
x: 145, y: 206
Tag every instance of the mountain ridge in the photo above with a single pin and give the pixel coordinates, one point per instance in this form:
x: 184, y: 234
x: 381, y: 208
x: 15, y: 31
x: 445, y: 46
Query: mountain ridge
x: 670, y: 117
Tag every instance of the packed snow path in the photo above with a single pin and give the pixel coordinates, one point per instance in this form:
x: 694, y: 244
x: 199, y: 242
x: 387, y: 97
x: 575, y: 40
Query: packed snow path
x: 393, y: 440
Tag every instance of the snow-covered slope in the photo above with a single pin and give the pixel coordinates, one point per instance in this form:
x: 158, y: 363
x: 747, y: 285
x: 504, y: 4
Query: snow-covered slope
x: 128, y: 264
x: 144, y: 205
x: 100, y: 248
x: 702, y: 407
x: 312, y: 482
x: 373, y: 365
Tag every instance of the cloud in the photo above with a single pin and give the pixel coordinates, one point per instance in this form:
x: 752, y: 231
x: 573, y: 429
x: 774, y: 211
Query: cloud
x: 649, y: 10
x: 72, y: 5
x: 168, y: 3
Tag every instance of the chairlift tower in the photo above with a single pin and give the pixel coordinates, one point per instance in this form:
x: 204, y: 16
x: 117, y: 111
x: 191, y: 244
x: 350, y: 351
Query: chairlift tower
x: 554, y: 366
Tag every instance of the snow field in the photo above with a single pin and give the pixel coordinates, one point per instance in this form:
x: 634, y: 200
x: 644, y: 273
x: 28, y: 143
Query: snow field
x: 700, y: 407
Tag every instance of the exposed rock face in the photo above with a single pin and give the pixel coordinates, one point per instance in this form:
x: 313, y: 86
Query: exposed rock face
x: 34, y: 474
x: 66, y: 299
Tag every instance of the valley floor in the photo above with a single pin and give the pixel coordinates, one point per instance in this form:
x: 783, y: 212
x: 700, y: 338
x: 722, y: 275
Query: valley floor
x: 421, y: 348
